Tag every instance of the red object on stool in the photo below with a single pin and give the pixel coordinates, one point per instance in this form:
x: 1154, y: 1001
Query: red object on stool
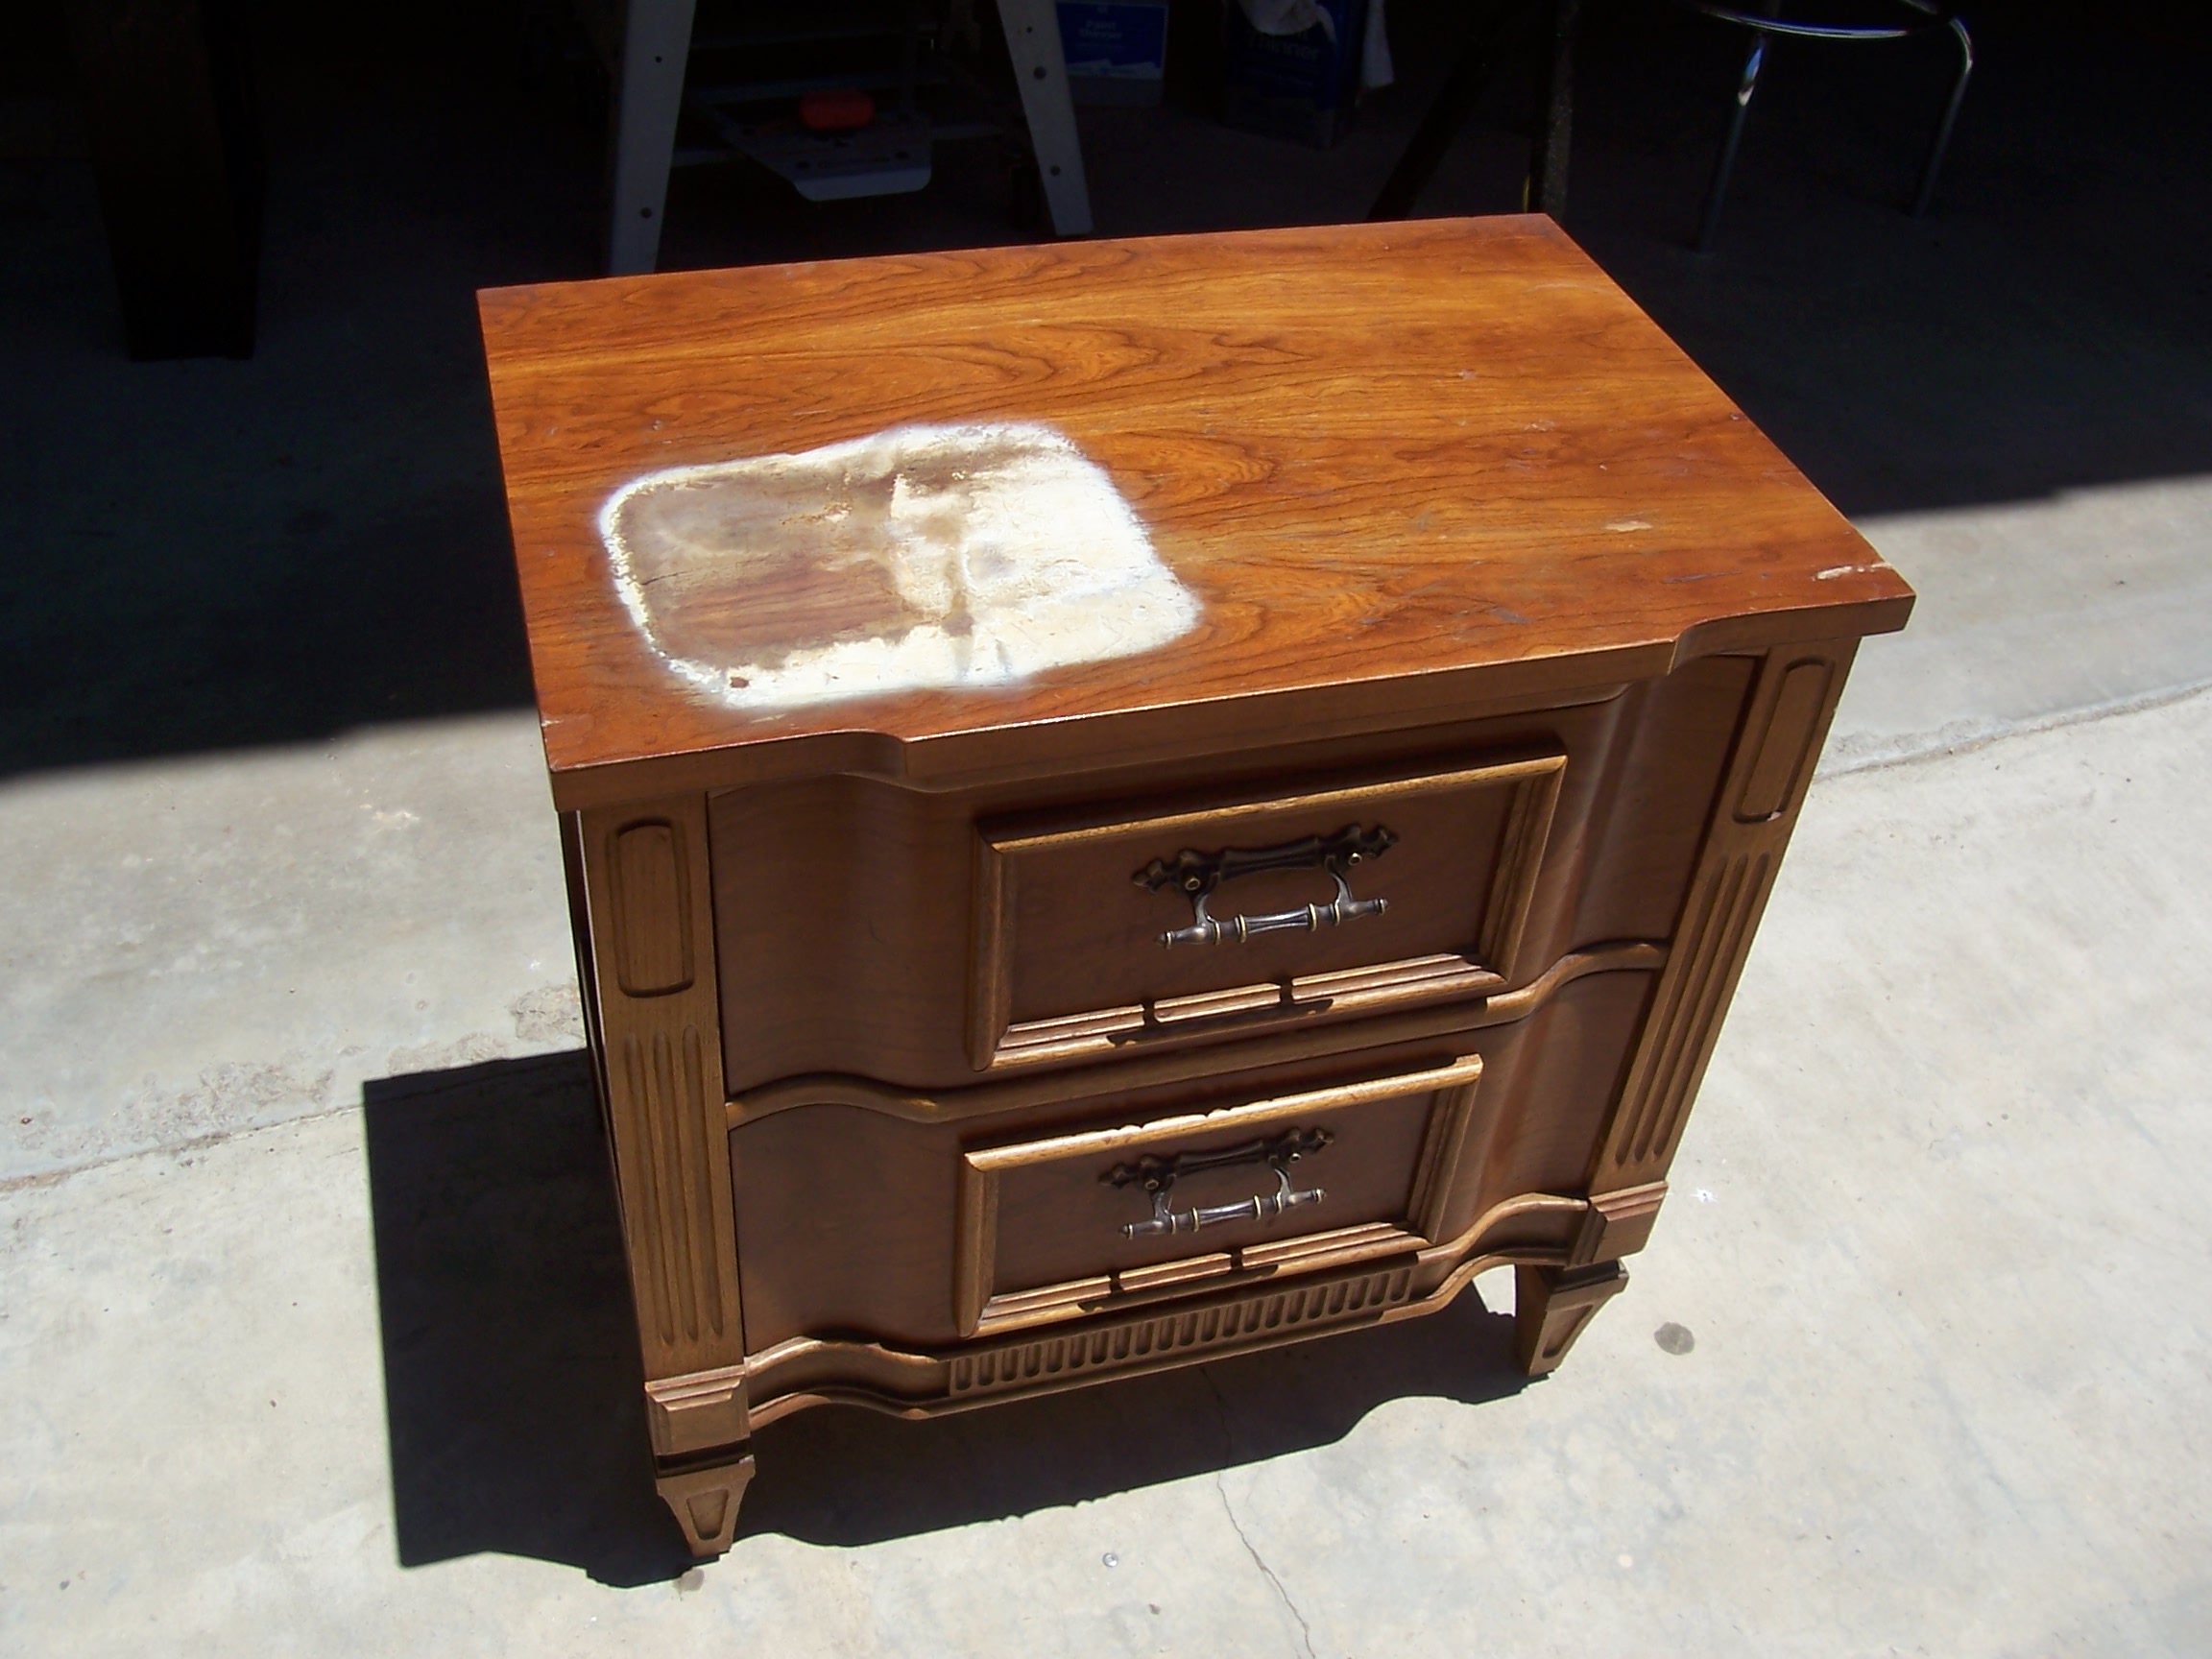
x: 835, y: 112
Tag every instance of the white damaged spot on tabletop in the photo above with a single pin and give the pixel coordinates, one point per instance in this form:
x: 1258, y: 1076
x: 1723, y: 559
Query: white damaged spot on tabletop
x: 1835, y: 571
x: 926, y: 557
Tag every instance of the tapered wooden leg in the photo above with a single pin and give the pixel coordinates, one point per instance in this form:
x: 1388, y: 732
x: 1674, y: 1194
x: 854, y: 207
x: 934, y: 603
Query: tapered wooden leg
x: 705, y: 1497
x: 1551, y: 1307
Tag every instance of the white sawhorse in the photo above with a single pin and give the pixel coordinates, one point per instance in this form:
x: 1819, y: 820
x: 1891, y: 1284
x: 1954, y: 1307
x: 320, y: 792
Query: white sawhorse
x: 655, y: 41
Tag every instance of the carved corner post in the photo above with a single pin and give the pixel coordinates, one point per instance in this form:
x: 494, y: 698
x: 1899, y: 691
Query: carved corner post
x: 1786, y: 720
x: 1551, y: 1307
x: 658, y: 1032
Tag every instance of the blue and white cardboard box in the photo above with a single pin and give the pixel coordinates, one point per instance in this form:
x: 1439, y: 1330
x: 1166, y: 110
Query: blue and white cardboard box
x: 1116, y: 49
x: 1294, y: 66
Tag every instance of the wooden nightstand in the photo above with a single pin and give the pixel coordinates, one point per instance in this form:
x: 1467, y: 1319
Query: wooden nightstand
x: 1134, y: 800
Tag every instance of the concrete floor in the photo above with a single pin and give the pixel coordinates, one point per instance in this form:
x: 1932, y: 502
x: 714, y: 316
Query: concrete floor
x: 310, y: 1322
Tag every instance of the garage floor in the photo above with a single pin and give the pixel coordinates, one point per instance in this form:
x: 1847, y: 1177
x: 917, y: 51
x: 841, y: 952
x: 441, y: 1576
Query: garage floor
x: 311, y: 1336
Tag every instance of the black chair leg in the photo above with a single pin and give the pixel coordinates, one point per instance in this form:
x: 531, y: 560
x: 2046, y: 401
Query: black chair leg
x: 1547, y: 191
x: 1447, y: 113
x: 1926, y: 192
x: 1725, y: 168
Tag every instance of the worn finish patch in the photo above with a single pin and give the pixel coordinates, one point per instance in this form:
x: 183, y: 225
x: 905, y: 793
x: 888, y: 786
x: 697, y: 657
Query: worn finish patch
x: 922, y: 557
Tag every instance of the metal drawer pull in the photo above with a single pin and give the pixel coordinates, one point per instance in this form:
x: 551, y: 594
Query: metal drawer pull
x: 1156, y: 1175
x: 1201, y: 874
x: 1259, y: 1207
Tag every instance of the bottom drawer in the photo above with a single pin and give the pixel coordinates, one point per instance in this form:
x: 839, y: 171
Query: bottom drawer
x: 1319, y: 1178
x: 917, y: 1221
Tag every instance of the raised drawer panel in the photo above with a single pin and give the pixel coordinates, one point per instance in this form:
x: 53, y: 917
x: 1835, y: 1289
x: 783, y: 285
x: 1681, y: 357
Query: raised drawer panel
x: 909, y: 1218
x: 1065, y: 1219
x: 930, y: 939
x: 1188, y: 912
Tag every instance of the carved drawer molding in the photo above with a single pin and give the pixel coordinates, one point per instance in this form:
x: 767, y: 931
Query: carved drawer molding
x: 1075, y: 888
x: 1405, y: 1182
x: 1129, y: 802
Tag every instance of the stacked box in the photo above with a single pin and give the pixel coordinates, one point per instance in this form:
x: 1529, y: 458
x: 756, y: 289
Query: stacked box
x: 1296, y: 86
x: 1116, y: 49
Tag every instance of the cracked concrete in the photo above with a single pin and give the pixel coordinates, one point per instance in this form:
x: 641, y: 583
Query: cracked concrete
x: 1274, y: 1583
x: 1210, y: 1377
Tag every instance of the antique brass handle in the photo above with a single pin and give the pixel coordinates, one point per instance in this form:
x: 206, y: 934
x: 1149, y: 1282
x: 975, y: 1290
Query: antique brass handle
x: 1156, y: 1176
x: 1200, y: 874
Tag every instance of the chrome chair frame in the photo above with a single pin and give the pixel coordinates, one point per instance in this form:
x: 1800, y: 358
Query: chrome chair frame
x: 1765, y: 26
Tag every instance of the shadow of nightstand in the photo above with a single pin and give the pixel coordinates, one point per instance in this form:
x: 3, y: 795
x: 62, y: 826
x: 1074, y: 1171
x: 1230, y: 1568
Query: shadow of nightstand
x: 514, y: 1403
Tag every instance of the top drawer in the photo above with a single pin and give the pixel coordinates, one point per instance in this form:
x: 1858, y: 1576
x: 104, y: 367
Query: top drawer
x: 1096, y: 926
x: 926, y: 938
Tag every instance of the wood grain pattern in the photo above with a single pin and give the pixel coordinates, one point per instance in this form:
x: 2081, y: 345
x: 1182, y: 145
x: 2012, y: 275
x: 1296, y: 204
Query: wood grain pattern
x: 1172, y: 1065
x: 697, y: 1412
x: 645, y: 894
x: 819, y: 932
x: 858, y: 1220
x: 805, y: 1372
x: 704, y: 1498
x: 1793, y: 702
x: 1474, y: 553
x: 1619, y: 1223
x: 909, y: 1382
x: 676, y: 1232
x: 1716, y: 934
x: 1442, y: 1157
x: 1178, y: 1332
x: 1554, y: 1306
x: 1787, y: 744
x: 1524, y: 476
x: 1057, y: 1241
x: 1058, y: 914
x: 649, y: 884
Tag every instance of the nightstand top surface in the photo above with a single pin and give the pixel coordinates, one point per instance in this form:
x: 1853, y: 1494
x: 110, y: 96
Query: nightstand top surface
x: 954, y: 502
